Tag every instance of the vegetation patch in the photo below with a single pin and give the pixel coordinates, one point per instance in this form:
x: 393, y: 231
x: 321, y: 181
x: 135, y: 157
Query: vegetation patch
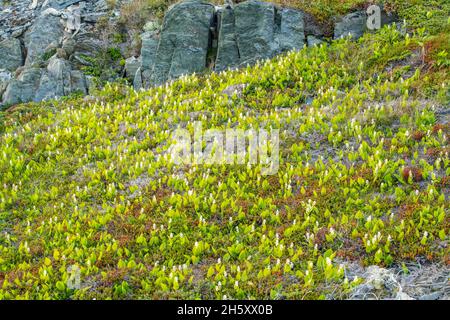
x: 89, y: 189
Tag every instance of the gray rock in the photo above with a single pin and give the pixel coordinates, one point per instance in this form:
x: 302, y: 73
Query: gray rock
x: 46, y: 31
x: 60, y: 80
x: 49, y: 88
x: 23, y: 88
x: 33, y: 5
x: 150, y: 41
x: 5, y: 77
x: 92, y: 17
x: 35, y: 84
x: 73, y: 19
x: 227, y: 51
x: 184, y: 41
x: 353, y: 24
x: 61, y: 4
x: 132, y: 65
x: 78, y: 82
x: 254, y: 27
x: 256, y: 30
x: 69, y: 46
x: 292, y: 30
x: 11, y: 54
x: 149, y: 48
x: 137, y: 81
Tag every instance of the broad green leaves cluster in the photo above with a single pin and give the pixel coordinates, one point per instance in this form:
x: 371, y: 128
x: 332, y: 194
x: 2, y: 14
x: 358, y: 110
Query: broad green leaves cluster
x: 364, y: 176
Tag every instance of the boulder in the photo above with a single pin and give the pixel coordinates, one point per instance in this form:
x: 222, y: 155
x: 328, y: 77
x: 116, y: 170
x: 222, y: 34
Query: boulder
x: 59, y: 80
x: 11, y: 56
x: 149, y: 48
x: 353, y: 24
x: 150, y: 42
x: 23, y: 88
x: 78, y: 82
x: 292, y: 30
x: 254, y: 28
x: 47, y: 31
x: 184, y: 41
x: 49, y: 88
x: 38, y: 84
x: 227, y: 49
x: 132, y: 65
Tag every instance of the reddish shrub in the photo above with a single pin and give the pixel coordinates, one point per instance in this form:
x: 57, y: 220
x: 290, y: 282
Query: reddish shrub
x: 414, y: 171
x: 418, y: 135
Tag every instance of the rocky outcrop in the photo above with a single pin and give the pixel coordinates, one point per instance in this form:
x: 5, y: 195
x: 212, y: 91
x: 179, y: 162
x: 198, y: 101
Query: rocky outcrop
x: 24, y: 87
x: 59, y: 80
x: 353, y: 24
x: 48, y: 48
x: 235, y: 36
x: 150, y: 42
x: 238, y: 35
x: 262, y: 30
x: 227, y: 47
x: 11, y: 56
x: 60, y: 4
x: 254, y: 28
x: 184, y: 41
x: 38, y: 84
x: 41, y: 45
x: 45, y: 35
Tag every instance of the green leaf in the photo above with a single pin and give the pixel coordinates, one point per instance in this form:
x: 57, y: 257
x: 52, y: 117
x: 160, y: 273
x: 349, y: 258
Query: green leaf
x: 60, y: 286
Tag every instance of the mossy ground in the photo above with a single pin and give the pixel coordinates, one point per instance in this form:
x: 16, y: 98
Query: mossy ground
x: 364, y: 177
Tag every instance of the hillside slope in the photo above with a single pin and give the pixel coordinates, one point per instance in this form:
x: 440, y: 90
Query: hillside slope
x: 363, y: 180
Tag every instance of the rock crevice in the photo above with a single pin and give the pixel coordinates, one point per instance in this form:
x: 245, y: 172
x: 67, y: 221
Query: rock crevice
x: 244, y: 33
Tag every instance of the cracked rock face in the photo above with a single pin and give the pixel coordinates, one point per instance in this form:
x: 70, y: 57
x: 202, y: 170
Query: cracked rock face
x: 238, y: 35
x: 245, y: 33
x: 256, y: 30
x: 184, y: 41
x: 45, y: 34
x: 24, y: 87
x: 45, y: 44
x: 40, y: 41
